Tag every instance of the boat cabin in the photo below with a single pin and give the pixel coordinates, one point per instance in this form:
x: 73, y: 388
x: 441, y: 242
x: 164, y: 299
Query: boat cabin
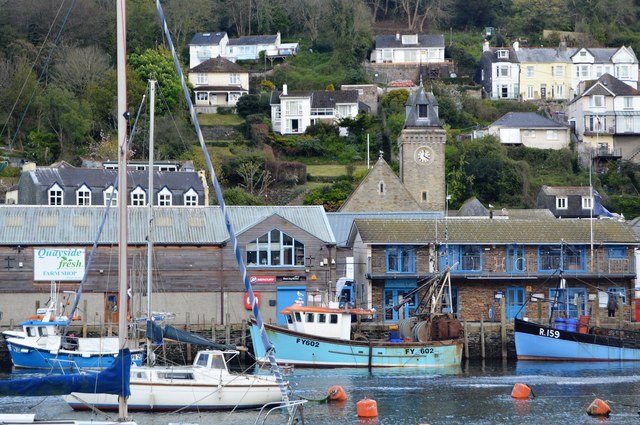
x: 321, y: 321
x: 211, y: 359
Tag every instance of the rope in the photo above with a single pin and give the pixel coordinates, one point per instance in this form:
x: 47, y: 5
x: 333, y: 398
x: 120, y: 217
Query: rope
x: 232, y: 236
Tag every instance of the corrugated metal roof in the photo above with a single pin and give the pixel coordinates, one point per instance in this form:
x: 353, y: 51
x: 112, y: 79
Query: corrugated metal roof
x: 341, y: 222
x: 494, y: 231
x: 43, y: 225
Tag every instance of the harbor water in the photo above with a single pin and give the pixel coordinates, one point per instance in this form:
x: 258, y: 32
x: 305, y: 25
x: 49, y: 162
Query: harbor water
x: 477, y: 393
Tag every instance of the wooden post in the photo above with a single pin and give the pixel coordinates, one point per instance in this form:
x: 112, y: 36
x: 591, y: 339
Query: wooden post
x: 596, y: 308
x: 228, y: 329
x: 466, y: 340
x: 11, y: 324
x: 539, y: 304
x: 243, y: 341
x: 503, y: 327
x: 482, y: 352
x: 213, y: 329
x: 188, y: 324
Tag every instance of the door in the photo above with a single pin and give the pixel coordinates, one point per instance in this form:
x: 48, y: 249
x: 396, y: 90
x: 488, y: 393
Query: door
x: 395, y: 296
x: 515, y: 303
x: 111, y: 308
x: 286, y: 296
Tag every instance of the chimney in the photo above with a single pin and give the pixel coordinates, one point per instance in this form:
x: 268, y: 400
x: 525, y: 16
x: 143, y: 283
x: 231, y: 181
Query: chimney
x: 516, y: 45
x: 284, y: 89
x: 485, y: 46
x: 397, y: 36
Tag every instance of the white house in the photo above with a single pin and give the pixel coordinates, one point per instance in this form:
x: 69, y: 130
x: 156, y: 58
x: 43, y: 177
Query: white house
x: 205, y: 46
x: 592, y: 63
x: 499, y: 72
x: 218, y: 82
x: 293, y: 112
x: 531, y: 130
x: 410, y: 48
x: 249, y: 47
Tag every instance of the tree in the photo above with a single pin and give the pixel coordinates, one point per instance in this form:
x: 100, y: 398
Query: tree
x: 76, y: 68
x: 421, y: 12
x: 250, y: 104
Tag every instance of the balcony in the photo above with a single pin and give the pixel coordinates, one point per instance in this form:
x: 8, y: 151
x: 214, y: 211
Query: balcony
x: 606, y: 152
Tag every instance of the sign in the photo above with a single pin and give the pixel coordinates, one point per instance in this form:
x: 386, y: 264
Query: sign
x: 247, y: 301
x: 262, y: 280
x: 292, y: 278
x: 61, y: 264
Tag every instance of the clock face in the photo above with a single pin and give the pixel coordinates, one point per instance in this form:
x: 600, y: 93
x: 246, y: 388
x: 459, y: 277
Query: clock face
x: 424, y: 155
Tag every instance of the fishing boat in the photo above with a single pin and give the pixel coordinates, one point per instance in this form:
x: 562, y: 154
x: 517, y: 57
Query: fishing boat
x: 321, y: 336
x: 574, y: 341
x: 43, y: 343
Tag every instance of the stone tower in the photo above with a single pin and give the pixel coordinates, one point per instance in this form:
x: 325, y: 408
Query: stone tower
x: 421, y: 150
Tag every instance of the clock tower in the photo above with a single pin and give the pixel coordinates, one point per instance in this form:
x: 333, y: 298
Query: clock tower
x: 421, y: 150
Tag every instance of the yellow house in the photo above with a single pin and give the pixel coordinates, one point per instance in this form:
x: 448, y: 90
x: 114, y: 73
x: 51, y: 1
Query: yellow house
x: 545, y: 73
x: 218, y: 82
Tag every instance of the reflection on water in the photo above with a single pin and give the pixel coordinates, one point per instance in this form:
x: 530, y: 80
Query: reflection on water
x: 474, y: 394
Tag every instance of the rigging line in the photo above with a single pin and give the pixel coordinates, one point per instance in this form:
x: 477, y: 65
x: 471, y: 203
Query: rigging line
x: 42, y: 73
x: 269, y: 348
x: 33, y: 65
x: 101, y: 228
x: 173, y: 118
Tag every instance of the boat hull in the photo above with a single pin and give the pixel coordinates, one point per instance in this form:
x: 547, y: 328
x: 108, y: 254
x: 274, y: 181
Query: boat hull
x: 241, y: 393
x: 539, y: 342
x: 27, y: 357
x: 305, y: 350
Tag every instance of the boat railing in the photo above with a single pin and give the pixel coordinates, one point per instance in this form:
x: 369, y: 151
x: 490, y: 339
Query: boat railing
x: 293, y: 408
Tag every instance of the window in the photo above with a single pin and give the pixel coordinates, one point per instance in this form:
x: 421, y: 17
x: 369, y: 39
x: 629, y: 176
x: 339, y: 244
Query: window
x: 333, y: 319
x: 582, y: 71
x: 191, y: 198
x: 381, y: 188
x: 202, y: 95
x: 617, y: 252
x: 275, y: 249
x: 203, y: 53
x: 310, y: 317
x: 622, y: 71
x: 596, y: 123
x: 628, y: 102
x: 587, y: 203
x: 423, y: 111
x: 503, y: 54
x: 530, y: 92
x: 424, y: 196
x: 559, y: 91
x: 552, y: 134
x: 234, y: 79
x: 298, y: 316
x: 55, y: 195
x: 410, y: 39
x: 293, y: 107
x: 620, y: 292
x: 322, y: 318
x: 107, y: 196
x: 165, y: 197
x: 557, y: 71
x: 597, y: 101
x: 598, y: 71
x: 138, y: 197
x: 503, y: 71
x: 400, y: 259
x: 516, y: 258
x: 202, y: 78
x: 467, y: 258
x: 411, y: 56
x: 83, y: 195
x: 562, y: 257
x: 570, y: 302
x: 562, y: 203
x: 530, y: 72
x: 343, y: 111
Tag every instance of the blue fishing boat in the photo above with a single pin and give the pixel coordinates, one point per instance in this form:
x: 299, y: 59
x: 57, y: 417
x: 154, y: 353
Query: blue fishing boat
x: 536, y: 341
x: 321, y: 336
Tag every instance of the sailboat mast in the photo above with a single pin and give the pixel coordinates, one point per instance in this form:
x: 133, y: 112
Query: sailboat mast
x: 123, y: 237
x: 152, y: 104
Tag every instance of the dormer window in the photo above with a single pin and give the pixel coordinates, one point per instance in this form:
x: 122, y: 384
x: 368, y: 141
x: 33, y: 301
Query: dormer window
x: 165, y: 198
x: 503, y: 54
x: 107, y: 196
x: 56, y: 195
x: 562, y: 203
x: 83, y: 195
x: 587, y: 203
x: 423, y: 111
x: 138, y: 197
x: 191, y: 198
x: 410, y: 39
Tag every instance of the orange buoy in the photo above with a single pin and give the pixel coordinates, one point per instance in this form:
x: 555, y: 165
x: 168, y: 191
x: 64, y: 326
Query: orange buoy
x: 521, y: 391
x: 598, y: 408
x: 337, y: 393
x: 367, y: 408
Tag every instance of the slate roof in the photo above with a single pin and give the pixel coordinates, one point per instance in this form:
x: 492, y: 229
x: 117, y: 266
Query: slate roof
x: 607, y: 85
x: 219, y: 65
x: 319, y: 99
x: 544, y: 55
x: 176, y: 225
x: 248, y: 40
x: 220, y: 88
x: 421, y: 97
x: 566, y: 190
x: 207, y: 38
x: 525, y: 120
x: 493, y: 231
x: 492, y: 56
x: 94, y: 178
x: 424, y: 40
x: 600, y: 54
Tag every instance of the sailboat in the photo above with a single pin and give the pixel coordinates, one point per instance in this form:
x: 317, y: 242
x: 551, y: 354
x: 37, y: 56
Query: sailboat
x: 115, y: 379
x: 206, y: 385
